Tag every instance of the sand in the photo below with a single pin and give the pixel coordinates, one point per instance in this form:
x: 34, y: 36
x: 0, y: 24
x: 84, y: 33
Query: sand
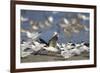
x: 48, y: 58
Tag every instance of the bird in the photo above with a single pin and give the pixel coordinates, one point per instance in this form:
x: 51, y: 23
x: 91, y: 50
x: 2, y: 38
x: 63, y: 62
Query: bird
x: 50, y: 48
x: 53, y: 41
x: 84, y: 47
x: 24, y: 54
x: 32, y: 35
x: 28, y: 48
x: 63, y: 45
x: 82, y: 16
x: 75, y: 51
x: 23, y: 19
x: 70, y: 46
x: 66, y: 21
x: 66, y: 54
x: 24, y: 51
x: 49, y: 21
x: 37, y: 46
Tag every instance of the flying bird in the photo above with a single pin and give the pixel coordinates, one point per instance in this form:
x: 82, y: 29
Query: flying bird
x: 73, y: 25
x: 23, y: 19
x: 83, y: 17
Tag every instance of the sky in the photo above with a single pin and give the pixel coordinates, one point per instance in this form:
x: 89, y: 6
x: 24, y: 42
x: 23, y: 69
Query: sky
x: 57, y: 16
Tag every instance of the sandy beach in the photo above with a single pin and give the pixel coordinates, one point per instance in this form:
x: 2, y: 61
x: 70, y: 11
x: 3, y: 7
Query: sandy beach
x: 48, y: 58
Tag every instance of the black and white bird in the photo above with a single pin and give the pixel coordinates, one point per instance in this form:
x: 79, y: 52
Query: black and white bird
x: 84, y: 47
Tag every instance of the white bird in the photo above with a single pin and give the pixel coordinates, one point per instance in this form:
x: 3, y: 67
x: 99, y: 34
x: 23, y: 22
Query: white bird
x: 25, y: 54
x: 69, y: 46
x: 23, y: 19
x: 24, y: 46
x: 31, y: 48
x: 82, y: 16
x: 37, y: 46
x: 33, y: 36
x: 66, y: 54
x: 74, y: 21
x: 35, y: 27
x: 50, y: 19
x: 41, y: 25
x: 75, y: 51
x: 48, y: 22
x: 86, y: 28
x: 50, y: 48
x: 58, y: 45
x: 63, y: 45
x: 77, y: 45
x: 84, y: 48
x: 75, y: 30
x: 66, y: 21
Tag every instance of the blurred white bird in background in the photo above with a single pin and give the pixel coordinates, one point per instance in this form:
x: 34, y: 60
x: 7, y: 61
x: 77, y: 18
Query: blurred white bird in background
x: 73, y: 25
x: 66, y: 21
x: 34, y: 25
x: 43, y: 24
x: 23, y: 19
x: 33, y: 35
x: 49, y: 21
x: 82, y: 16
x: 86, y: 28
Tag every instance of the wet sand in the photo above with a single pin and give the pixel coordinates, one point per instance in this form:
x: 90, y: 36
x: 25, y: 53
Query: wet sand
x: 48, y: 58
